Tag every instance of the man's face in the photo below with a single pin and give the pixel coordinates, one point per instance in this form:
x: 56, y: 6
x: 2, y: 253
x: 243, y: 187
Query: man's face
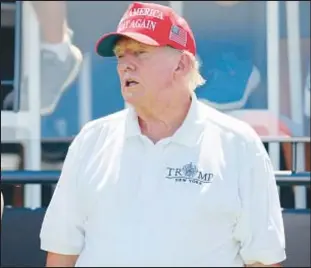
x: 146, y: 72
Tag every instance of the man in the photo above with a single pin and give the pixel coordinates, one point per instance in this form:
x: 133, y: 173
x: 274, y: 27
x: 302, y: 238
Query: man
x: 168, y: 181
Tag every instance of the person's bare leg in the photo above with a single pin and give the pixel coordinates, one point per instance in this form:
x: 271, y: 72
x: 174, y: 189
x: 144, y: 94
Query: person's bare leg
x: 60, y: 59
x: 52, y: 19
x: 54, y: 29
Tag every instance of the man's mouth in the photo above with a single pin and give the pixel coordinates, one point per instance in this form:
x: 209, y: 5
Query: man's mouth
x: 131, y: 83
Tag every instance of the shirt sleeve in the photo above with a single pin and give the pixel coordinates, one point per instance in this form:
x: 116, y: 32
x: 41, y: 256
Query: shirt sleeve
x: 260, y: 228
x: 62, y: 227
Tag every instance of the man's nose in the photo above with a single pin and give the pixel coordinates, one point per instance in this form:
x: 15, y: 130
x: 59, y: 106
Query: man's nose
x: 127, y: 64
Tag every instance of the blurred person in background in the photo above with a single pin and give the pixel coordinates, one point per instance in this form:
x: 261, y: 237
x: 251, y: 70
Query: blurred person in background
x: 231, y: 74
x: 230, y: 81
x: 60, y: 58
x: 169, y: 181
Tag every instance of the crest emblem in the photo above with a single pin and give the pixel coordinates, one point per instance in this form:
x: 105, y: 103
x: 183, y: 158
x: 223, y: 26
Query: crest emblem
x: 190, y: 170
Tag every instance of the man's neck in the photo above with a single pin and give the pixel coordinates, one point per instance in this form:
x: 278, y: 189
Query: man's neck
x: 165, y: 120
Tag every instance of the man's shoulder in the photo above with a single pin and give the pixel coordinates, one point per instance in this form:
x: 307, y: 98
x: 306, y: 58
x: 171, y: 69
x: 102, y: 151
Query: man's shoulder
x: 228, y: 124
x: 110, y: 120
x: 98, y: 128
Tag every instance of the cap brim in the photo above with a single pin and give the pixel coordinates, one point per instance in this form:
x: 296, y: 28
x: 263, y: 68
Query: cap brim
x: 105, y: 45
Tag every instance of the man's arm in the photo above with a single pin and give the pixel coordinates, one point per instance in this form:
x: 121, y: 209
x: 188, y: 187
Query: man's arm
x: 60, y: 260
x: 259, y: 229
x: 62, y: 230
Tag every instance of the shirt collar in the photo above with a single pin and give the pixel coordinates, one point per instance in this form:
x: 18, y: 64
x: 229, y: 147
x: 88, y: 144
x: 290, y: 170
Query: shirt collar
x: 189, y: 132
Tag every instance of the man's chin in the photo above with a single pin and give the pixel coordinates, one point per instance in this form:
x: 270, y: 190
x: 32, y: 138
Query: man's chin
x: 132, y: 97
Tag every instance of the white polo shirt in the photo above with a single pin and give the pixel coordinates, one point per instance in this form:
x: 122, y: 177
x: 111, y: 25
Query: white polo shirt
x: 206, y: 196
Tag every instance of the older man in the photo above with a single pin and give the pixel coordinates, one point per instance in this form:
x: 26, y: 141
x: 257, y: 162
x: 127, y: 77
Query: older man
x: 168, y: 181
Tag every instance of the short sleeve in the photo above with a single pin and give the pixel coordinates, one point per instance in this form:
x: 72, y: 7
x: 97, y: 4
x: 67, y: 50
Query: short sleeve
x: 62, y: 227
x: 260, y: 228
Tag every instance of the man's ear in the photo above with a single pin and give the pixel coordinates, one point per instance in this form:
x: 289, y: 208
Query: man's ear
x: 184, y: 65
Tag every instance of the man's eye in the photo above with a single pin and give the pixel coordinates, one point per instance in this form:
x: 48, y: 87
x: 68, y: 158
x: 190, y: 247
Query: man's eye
x: 119, y: 56
x: 137, y: 53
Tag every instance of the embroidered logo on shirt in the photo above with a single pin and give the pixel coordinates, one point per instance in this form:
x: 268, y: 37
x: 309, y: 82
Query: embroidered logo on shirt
x: 189, y: 173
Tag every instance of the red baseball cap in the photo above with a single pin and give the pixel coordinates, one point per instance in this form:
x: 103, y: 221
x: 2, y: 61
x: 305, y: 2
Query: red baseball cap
x: 151, y: 24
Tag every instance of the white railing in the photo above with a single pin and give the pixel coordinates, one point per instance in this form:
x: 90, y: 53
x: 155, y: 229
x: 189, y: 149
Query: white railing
x: 24, y: 126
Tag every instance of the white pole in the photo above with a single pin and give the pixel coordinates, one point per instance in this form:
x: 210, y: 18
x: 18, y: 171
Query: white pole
x: 85, y: 91
x: 295, y: 81
x: 31, y: 58
x: 273, y: 72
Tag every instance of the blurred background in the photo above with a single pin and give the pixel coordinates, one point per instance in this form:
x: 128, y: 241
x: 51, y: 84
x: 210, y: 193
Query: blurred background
x: 255, y: 56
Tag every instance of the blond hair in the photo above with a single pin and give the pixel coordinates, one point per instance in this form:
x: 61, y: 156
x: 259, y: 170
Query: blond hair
x: 194, y: 77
